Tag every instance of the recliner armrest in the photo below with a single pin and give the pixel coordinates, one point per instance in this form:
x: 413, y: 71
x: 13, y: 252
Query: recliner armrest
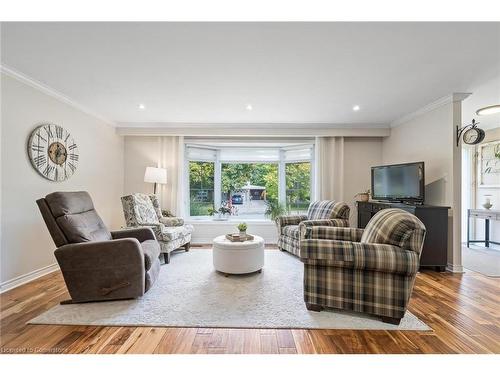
x: 140, y: 233
x: 103, y: 270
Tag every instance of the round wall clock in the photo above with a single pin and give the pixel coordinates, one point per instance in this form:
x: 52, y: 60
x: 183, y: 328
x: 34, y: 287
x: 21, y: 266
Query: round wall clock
x: 473, y: 136
x: 53, y: 152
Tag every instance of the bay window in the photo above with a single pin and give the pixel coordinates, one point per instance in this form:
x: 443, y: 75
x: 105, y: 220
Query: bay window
x: 245, y: 179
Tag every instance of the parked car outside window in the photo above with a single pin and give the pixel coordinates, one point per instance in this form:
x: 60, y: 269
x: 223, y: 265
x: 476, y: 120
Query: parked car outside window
x: 237, y: 199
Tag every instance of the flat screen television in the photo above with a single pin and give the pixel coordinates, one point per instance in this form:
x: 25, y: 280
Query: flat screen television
x: 399, y: 182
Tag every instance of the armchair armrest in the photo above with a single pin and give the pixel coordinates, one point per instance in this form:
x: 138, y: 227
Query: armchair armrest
x: 103, y: 270
x: 326, y: 222
x: 140, y: 233
x: 172, y: 221
x: 283, y: 221
x: 330, y: 233
x: 359, y: 256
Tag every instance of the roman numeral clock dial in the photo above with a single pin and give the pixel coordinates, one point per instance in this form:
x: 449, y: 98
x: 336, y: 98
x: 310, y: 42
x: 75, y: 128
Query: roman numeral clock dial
x: 53, y: 152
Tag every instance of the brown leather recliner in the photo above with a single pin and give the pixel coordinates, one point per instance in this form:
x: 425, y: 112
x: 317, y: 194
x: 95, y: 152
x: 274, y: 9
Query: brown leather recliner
x: 97, y: 264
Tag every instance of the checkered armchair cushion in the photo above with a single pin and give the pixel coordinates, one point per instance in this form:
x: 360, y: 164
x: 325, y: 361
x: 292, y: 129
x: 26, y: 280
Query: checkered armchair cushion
x: 322, y: 213
x: 371, y: 270
x: 395, y: 227
x: 328, y: 210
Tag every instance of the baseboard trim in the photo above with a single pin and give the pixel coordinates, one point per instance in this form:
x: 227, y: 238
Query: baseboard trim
x: 26, y: 278
x: 454, y: 268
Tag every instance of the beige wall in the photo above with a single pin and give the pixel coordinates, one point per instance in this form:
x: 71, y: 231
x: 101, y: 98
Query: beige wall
x: 427, y: 138
x: 140, y: 152
x: 26, y: 245
x: 360, y: 154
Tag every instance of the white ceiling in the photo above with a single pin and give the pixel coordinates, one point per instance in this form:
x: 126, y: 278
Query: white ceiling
x: 289, y: 72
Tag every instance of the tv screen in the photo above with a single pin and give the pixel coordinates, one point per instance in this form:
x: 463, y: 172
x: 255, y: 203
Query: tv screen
x: 400, y: 182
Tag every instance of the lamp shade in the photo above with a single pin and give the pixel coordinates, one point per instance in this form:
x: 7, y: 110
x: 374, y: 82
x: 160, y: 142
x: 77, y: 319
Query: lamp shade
x: 155, y: 175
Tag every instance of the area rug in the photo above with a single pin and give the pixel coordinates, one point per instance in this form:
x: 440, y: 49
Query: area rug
x: 190, y: 293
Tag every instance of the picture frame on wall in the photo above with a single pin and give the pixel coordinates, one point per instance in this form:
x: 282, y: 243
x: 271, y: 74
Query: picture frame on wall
x: 488, y: 168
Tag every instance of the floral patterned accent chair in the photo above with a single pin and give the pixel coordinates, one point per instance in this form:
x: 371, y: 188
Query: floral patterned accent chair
x: 329, y: 213
x: 369, y: 270
x: 143, y: 210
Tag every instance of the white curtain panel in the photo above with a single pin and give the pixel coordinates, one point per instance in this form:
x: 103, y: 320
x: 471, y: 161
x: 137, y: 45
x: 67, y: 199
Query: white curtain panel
x: 171, y: 157
x: 329, y: 168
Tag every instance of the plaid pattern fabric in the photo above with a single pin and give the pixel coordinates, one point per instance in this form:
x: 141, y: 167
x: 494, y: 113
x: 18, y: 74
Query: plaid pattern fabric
x: 360, y: 256
x: 332, y: 233
x: 396, y: 227
x: 283, y: 221
x: 291, y: 231
x: 291, y: 228
x: 342, y: 271
x: 328, y: 210
x: 289, y: 244
x: 364, y: 291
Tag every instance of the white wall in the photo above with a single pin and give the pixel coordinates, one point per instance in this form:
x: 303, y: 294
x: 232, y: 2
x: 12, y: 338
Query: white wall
x: 485, y: 94
x: 26, y: 245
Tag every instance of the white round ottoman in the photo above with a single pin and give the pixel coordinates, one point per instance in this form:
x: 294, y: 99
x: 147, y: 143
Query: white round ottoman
x: 238, y: 257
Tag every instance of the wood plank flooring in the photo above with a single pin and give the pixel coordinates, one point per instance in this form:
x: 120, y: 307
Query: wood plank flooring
x: 462, y: 309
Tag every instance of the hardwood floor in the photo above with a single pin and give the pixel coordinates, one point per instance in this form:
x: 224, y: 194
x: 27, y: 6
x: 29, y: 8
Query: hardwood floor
x: 462, y: 309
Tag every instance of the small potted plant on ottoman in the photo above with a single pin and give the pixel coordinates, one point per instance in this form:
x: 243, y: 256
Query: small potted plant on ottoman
x: 242, y: 227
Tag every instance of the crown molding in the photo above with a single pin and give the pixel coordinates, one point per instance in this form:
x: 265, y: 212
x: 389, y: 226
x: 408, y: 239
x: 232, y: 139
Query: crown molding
x: 253, y: 130
x: 254, y: 125
x: 452, y: 98
x: 51, y: 92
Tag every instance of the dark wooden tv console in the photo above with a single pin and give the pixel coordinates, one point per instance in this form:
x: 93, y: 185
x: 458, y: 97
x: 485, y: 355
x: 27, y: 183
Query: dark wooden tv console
x: 435, y: 218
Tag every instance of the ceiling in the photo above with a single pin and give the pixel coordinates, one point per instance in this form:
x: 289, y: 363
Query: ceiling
x: 288, y: 72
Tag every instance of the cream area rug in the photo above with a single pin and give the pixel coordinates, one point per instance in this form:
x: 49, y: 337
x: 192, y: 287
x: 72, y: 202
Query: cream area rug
x: 190, y: 293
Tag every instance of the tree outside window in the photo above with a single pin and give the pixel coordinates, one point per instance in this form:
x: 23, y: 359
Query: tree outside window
x: 298, y: 186
x: 201, y: 187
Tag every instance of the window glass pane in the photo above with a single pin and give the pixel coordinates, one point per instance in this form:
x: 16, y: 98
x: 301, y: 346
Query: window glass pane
x: 201, y: 187
x: 246, y: 187
x: 298, y: 186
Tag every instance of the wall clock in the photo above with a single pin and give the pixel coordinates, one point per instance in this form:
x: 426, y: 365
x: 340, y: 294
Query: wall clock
x: 53, y: 152
x: 472, y: 135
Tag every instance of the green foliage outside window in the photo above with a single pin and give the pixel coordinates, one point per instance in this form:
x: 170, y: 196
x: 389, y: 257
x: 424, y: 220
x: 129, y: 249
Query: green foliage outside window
x: 298, y: 186
x: 236, y: 175
x: 201, y: 187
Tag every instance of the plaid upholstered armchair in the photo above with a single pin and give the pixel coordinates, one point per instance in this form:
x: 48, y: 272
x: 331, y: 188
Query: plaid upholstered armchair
x: 330, y: 213
x: 142, y: 210
x: 370, y: 271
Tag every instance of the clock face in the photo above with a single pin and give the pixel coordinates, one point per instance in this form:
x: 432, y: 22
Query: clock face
x: 473, y: 136
x: 53, y: 152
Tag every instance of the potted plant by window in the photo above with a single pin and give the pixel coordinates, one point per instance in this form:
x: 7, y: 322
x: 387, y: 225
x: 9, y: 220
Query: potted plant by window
x: 242, y: 227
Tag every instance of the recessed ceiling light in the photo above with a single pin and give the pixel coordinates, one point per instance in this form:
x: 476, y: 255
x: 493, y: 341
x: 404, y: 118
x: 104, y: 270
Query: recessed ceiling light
x: 249, y: 107
x: 142, y: 107
x: 488, y: 110
x: 356, y: 108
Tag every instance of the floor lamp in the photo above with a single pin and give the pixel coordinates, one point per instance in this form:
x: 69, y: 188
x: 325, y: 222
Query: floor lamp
x: 155, y: 176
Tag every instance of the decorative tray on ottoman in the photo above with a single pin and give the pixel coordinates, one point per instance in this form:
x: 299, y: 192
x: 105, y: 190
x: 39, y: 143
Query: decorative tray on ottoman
x: 235, y: 237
